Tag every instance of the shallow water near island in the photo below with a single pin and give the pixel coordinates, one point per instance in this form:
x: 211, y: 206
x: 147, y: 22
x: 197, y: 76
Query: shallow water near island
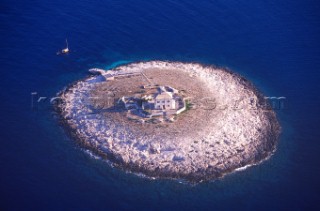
x: 43, y: 168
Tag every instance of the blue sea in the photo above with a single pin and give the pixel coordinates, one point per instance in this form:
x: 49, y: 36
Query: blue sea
x: 274, y: 43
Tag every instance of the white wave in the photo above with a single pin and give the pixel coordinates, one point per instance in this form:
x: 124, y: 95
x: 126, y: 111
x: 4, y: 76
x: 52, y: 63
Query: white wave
x: 92, y: 155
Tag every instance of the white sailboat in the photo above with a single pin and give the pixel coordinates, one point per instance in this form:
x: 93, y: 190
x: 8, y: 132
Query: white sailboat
x: 65, y: 50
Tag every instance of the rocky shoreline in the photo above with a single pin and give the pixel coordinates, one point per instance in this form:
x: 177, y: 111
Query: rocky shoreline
x: 228, y: 127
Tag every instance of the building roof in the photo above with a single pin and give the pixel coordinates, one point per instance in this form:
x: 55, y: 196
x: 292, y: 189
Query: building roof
x: 164, y: 95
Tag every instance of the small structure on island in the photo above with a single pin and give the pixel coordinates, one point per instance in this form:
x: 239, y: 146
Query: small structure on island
x: 164, y: 99
x: 159, y: 101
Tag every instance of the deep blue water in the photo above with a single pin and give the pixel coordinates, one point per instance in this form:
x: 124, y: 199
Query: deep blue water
x: 274, y: 43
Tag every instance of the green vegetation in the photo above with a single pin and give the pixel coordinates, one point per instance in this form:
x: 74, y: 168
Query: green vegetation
x: 188, y: 105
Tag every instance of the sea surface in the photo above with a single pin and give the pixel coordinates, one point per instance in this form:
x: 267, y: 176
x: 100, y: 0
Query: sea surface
x: 273, y: 43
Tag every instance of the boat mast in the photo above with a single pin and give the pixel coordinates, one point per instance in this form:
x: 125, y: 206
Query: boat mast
x: 67, y: 44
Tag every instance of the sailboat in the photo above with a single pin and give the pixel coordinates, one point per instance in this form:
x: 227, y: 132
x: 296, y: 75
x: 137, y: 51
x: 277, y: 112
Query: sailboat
x: 65, y: 50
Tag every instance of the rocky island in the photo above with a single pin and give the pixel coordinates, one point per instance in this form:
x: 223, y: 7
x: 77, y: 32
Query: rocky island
x: 170, y: 119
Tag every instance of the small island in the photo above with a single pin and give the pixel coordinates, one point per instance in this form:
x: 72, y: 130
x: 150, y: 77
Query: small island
x: 170, y: 119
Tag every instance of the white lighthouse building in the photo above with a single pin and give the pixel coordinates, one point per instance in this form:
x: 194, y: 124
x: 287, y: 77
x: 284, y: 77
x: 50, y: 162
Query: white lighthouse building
x: 164, y: 100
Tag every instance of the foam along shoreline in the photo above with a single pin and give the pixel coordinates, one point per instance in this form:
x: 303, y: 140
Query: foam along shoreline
x: 203, y: 144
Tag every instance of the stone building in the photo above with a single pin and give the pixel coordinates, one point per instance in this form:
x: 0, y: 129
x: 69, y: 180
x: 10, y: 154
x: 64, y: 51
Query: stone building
x: 164, y: 100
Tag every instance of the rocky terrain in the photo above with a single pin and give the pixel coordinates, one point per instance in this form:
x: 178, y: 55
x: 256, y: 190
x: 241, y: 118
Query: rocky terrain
x: 227, y: 126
